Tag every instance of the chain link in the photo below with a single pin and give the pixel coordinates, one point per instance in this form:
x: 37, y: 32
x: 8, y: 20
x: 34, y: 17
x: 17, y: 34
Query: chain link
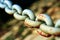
x: 17, y: 12
x: 29, y: 17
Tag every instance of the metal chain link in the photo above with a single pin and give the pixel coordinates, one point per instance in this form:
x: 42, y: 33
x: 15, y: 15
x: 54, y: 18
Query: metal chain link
x: 29, y: 17
x: 17, y: 12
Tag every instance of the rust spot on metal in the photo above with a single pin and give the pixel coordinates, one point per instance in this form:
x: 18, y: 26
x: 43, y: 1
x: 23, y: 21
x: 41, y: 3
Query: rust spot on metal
x: 43, y: 34
x: 41, y: 15
x: 26, y: 24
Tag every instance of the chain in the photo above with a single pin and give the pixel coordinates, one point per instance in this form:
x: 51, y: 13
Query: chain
x: 18, y: 14
x: 30, y: 19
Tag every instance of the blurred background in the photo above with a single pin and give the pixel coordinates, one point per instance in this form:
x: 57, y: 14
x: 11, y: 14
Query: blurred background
x: 8, y: 23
